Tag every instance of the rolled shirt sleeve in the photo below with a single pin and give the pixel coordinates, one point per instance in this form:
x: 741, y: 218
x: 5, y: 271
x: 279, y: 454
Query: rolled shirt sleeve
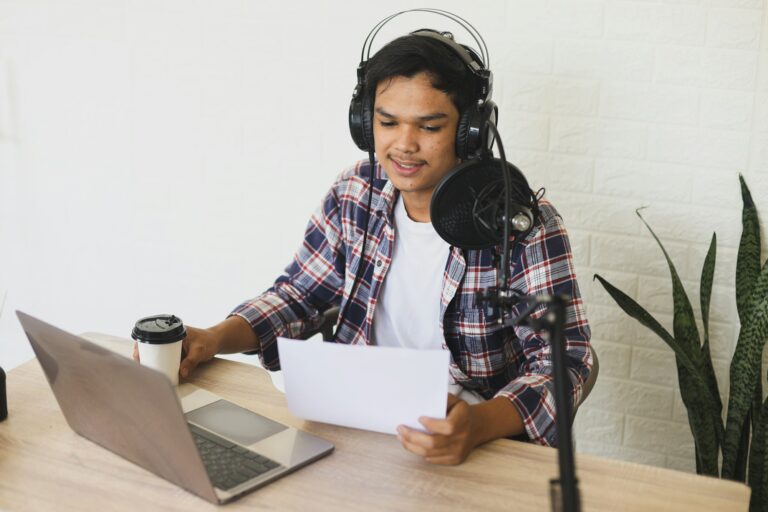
x: 310, y: 284
x: 546, y: 267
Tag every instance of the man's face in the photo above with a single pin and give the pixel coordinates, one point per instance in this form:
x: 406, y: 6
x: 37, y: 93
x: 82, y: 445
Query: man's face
x: 414, y: 130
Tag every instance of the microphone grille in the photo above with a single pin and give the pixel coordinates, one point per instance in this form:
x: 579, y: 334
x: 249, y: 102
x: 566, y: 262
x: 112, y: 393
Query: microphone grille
x: 468, y: 204
x: 454, y: 201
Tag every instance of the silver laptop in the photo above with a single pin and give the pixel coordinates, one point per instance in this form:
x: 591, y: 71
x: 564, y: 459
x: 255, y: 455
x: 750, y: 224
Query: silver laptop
x: 192, y: 438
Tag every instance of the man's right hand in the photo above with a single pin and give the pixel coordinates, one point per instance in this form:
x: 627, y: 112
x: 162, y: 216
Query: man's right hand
x: 229, y: 336
x: 199, y: 346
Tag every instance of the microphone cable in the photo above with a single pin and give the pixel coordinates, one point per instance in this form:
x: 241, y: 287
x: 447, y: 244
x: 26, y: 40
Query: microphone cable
x: 504, y: 274
x: 503, y: 278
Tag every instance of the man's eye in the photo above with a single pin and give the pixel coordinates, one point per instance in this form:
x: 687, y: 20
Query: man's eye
x: 387, y: 124
x: 433, y: 128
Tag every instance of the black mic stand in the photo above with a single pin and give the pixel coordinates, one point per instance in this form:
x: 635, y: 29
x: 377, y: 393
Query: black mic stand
x: 563, y: 491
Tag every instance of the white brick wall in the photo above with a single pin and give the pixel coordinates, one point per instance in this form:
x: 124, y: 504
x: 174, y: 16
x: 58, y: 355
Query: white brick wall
x: 609, y: 104
x: 665, y: 105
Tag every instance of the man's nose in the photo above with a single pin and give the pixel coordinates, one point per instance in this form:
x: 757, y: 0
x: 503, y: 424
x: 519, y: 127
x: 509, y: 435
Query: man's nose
x: 407, y: 139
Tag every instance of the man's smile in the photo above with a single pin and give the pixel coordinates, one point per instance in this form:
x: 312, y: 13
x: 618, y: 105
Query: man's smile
x: 407, y: 167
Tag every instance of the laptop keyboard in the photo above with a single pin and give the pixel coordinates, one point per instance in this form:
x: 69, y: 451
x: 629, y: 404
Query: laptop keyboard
x: 228, y: 464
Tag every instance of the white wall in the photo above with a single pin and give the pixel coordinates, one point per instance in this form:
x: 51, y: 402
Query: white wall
x: 165, y: 156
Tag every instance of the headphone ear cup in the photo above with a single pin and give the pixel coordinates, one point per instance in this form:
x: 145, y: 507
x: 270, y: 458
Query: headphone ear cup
x: 472, y: 132
x: 463, y: 149
x: 356, y: 125
x: 367, y: 124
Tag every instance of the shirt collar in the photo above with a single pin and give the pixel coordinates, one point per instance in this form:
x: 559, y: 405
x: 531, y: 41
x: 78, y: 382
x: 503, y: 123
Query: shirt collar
x: 384, y: 202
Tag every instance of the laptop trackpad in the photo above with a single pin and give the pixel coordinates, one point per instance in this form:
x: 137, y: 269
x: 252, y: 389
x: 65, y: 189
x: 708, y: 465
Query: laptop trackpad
x: 234, y: 422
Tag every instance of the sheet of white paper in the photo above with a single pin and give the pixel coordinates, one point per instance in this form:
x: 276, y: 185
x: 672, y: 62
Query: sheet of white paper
x: 367, y: 387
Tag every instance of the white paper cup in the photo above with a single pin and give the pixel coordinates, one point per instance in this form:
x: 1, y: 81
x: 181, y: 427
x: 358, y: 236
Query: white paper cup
x: 160, y: 339
x: 164, y: 358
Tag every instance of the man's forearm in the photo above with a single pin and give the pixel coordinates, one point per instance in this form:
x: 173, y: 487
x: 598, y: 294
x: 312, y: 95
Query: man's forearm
x: 235, y: 335
x: 495, y: 419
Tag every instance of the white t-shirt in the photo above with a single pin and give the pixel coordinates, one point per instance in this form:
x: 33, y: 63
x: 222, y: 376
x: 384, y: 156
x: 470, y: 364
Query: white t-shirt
x: 407, y: 312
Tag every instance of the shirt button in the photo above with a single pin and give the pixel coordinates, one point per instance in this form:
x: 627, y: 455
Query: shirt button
x: 378, y: 263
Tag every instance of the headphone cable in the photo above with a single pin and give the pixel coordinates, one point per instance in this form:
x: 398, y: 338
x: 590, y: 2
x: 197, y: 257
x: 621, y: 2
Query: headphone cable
x: 361, y: 266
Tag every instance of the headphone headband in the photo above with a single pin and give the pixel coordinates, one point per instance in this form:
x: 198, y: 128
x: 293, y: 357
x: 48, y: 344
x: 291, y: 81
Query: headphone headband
x: 472, y: 61
x: 485, y: 56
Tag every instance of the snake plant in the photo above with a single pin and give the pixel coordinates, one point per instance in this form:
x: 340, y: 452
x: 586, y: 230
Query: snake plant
x: 741, y: 441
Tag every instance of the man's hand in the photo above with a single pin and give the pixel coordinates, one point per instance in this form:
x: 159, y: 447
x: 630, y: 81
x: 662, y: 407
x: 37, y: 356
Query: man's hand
x: 450, y: 440
x: 229, y: 336
x: 199, y: 346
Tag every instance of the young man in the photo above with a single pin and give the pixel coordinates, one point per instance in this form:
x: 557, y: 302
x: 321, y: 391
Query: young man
x: 416, y: 290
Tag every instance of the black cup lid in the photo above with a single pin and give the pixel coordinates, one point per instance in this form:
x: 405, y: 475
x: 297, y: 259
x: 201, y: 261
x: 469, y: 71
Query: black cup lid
x: 159, y: 329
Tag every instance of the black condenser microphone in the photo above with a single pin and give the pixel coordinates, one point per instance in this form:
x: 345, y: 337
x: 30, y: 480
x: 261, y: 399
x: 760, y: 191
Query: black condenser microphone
x: 468, y: 205
x: 482, y: 203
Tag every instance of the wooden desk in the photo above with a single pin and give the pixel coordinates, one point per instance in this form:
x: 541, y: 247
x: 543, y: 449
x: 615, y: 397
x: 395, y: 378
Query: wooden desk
x: 46, y: 466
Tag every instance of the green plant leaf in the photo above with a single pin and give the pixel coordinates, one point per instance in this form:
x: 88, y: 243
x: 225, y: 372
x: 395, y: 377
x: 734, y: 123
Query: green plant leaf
x: 757, y: 477
x: 704, y: 412
x: 748, y: 259
x: 752, y: 305
x: 740, y: 473
x: 684, y: 323
x: 707, y: 275
x: 756, y: 410
x: 705, y: 427
x: 704, y: 419
x: 747, y: 272
x: 636, y: 311
x: 745, y: 370
x: 696, y: 454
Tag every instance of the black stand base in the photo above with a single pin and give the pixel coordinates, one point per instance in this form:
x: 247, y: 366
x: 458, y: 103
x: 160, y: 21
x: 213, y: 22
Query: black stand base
x: 556, y: 495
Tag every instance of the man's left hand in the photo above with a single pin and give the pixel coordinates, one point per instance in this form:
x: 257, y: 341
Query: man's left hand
x: 449, y: 441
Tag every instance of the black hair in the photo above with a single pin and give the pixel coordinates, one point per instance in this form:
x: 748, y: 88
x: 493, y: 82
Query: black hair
x: 410, y: 55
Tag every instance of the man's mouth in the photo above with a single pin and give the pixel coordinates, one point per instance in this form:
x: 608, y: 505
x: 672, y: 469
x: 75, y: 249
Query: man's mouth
x: 406, y: 166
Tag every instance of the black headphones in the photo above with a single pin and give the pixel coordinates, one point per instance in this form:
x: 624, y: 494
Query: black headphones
x: 472, y: 138
x: 472, y: 134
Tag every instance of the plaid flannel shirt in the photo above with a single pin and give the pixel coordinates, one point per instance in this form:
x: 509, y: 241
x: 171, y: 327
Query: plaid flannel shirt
x: 490, y: 359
